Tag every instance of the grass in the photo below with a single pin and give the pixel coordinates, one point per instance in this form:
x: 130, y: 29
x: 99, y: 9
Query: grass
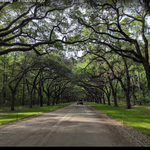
x: 134, y: 117
x: 22, y: 112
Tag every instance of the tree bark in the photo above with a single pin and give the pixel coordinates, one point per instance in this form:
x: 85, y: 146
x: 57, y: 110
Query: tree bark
x: 48, y: 99
x: 30, y: 101
x: 40, y: 91
x: 133, y: 94
x: 4, y: 81
x: 103, y: 99
x: 127, y: 90
x: 41, y: 98
x: 115, y: 100
x: 114, y: 94
x: 23, y: 92
x: 13, y: 100
x: 108, y: 98
x: 53, y: 101
x: 108, y: 95
x: 34, y: 96
x: 139, y: 84
x: 100, y: 99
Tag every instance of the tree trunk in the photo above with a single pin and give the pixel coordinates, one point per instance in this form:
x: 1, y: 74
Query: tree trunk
x: 38, y: 100
x: 108, y: 98
x: 40, y: 90
x: 127, y: 94
x: 133, y: 94
x: 103, y: 99
x: 4, y: 95
x: 30, y: 101
x: 147, y: 70
x: 114, y: 93
x: 12, y: 100
x: 53, y: 101
x: 23, y: 92
x: 34, y: 96
x: 115, y: 100
x: 60, y: 99
x: 128, y: 100
x: 56, y: 100
x: 48, y: 99
x: 4, y: 90
x: 27, y: 87
x: 127, y: 90
x: 100, y: 100
x: 139, y: 84
x: 41, y: 99
x: 4, y: 81
x: 40, y: 95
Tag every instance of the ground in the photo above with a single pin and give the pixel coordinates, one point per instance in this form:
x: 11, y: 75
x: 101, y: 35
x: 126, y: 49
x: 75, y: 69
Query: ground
x: 73, y: 125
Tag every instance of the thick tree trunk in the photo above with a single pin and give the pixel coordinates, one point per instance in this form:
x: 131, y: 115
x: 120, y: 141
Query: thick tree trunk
x: 147, y: 70
x: 23, y: 92
x: 115, y: 100
x: 127, y: 93
x: 40, y: 90
x: 127, y: 90
x: 56, y: 100
x: 4, y: 95
x: 30, y: 101
x: 103, y: 99
x: 38, y: 100
x: 133, y: 95
x: 100, y: 100
x: 4, y: 81
x: 100, y: 97
x: 114, y: 93
x: 34, y: 96
x: 115, y: 97
x: 40, y: 96
x: 48, y: 99
x: 108, y: 98
x: 139, y: 84
x: 128, y: 100
x: 12, y: 101
x: 60, y: 99
x: 41, y: 99
x: 53, y: 101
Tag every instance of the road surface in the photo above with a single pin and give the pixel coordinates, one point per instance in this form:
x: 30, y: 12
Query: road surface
x: 73, y: 125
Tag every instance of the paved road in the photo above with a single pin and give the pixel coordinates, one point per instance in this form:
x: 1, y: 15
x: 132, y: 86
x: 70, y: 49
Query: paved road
x: 73, y: 125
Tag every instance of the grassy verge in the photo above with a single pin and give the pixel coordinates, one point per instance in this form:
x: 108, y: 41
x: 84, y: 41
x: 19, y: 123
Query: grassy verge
x: 134, y: 117
x: 22, y: 112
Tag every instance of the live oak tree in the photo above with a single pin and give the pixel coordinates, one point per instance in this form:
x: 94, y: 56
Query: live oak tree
x: 121, y: 28
x: 35, y: 26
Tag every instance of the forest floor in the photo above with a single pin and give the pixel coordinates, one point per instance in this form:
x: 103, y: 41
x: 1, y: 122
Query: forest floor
x: 73, y: 125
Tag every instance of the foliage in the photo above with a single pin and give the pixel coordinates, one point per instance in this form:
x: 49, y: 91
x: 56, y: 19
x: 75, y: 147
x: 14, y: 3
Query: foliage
x: 113, y: 36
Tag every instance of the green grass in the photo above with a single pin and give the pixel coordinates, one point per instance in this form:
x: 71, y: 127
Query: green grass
x: 134, y: 117
x: 22, y: 112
